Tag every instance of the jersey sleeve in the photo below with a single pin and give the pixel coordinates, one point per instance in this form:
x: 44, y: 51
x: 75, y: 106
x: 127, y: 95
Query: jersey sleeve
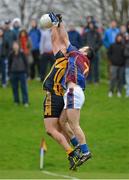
x: 71, y: 48
x: 71, y: 74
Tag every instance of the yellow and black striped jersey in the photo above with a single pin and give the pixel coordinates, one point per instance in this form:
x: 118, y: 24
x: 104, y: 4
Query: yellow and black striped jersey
x: 52, y: 82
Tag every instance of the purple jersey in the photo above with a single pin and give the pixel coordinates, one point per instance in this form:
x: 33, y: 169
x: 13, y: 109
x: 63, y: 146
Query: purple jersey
x: 77, y: 69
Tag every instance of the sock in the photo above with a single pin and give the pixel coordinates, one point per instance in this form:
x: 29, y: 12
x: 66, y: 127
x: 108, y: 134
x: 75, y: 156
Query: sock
x: 84, y: 148
x: 74, y: 141
x: 69, y: 151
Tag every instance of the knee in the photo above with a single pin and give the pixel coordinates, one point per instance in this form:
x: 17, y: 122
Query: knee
x: 75, y: 127
x: 61, y: 123
x: 49, y: 131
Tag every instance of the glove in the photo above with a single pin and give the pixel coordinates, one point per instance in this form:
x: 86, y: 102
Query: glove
x: 59, y: 16
x: 54, y: 19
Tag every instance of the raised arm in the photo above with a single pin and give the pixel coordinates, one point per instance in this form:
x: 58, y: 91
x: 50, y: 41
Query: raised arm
x: 55, y: 40
x: 59, y: 36
x: 63, y: 35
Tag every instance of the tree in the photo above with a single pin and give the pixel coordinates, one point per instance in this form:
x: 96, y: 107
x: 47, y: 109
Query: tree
x: 72, y: 10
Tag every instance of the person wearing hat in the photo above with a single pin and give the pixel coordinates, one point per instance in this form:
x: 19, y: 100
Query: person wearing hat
x: 8, y: 38
x: 16, y: 23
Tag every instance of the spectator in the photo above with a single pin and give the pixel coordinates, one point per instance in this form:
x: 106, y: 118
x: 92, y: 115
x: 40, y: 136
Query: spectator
x: 74, y: 37
x: 116, y: 56
x: 8, y: 38
x: 89, y: 19
x: 35, y: 36
x: 16, y: 26
x: 123, y: 30
x: 110, y: 34
x: 47, y: 56
x: 2, y: 58
x: 93, y: 39
x: 126, y: 54
x: 25, y: 45
x: 127, y: 26
x: 18, y: 68
x: 109, y: 38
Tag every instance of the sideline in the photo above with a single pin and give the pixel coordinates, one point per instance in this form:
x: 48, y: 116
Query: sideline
x: 59, y: 175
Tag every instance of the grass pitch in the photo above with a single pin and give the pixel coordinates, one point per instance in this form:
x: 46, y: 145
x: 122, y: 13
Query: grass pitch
x: 105, y: 121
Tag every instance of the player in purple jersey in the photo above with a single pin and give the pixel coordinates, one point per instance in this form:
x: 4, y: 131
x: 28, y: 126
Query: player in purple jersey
x: 74, y: 82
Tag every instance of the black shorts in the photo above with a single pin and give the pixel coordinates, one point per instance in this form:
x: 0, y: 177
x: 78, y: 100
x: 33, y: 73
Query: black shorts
x: 53, y: 105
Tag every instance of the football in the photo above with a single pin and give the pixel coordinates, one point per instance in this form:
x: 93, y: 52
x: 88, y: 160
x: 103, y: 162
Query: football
x: 45, y: 21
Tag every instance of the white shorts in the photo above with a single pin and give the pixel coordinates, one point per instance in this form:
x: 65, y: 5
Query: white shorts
x: 74, y: 98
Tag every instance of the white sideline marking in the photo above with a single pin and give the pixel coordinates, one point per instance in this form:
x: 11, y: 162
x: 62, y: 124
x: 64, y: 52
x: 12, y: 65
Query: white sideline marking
x: 59, y: 175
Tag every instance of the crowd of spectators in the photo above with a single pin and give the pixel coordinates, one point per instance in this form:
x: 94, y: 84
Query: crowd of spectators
x: 27, y: 54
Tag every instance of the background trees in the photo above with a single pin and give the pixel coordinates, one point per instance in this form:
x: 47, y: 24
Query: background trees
x: 75, y: 9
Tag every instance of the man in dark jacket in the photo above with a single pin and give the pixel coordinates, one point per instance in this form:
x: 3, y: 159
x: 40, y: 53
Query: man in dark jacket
x: 18, y: 69
x: 126, y: 55
x: 35, y: 37
x: 74, y: 37
x: 92, y: 39
x: 117, y: 61
x: 2, y: 60
x: 8, y: 38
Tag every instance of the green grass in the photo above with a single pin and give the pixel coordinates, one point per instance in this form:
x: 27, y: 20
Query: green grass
x: 105, y: 121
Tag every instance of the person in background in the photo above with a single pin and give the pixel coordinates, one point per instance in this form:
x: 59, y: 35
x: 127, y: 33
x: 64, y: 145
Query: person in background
x: 110, y: 34
x: 74, y: 37
x: 126, y: 55
x: 92, y: 39
x: 89, y: 19
x: 24, y: 41
x: 47, y: 57
x: 16, y: 23
x: 25, y: 46
x: 117, y: 61
x: 109, y: 38
x: 18, y: 69
x: 2, y: 58
x: 8, y: 38
x: 127, y: 26
x: 123, y: 30
x: 35, y: 36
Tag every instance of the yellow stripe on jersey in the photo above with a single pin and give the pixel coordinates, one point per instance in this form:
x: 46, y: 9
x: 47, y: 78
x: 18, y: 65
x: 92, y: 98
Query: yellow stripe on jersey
x: 54, y: 65
x: 58, y: 89
x: 49, y: 73
x: 86, y: 68
x: 59, y: 60
x: 48, y: 110
x: 56, y: 74
x: 61, y: 66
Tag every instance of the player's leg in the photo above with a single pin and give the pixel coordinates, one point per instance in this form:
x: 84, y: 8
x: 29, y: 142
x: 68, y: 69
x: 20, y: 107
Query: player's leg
x: 73, y: 116
x: 67, y: 129
x: 74, y: 99
x: 74, y: 119
x: 53, y: 106
x: 52, y: 128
